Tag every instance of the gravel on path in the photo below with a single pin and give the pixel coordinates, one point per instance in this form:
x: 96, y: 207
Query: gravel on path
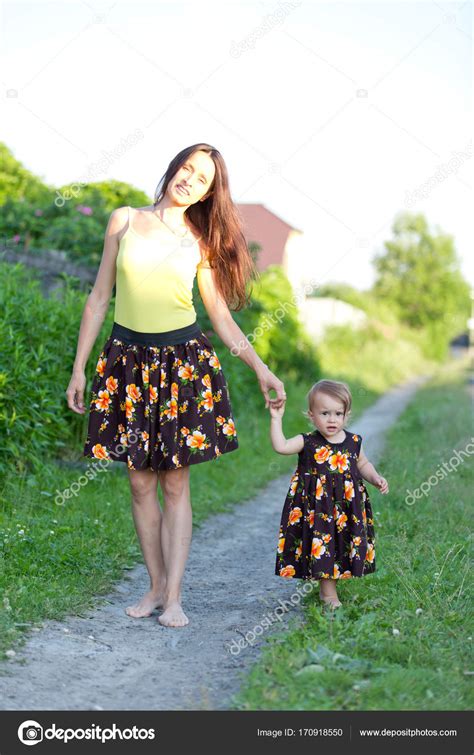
x: 109, y: 661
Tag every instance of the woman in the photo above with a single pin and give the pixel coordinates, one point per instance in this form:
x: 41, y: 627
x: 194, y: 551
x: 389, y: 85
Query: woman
x: 159, y: 399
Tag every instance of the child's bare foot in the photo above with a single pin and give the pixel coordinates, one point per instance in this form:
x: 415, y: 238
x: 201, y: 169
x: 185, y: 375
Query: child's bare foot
x: 146, y: 606
x: 328, y: 595
x: 173, y: 616
x: 333, y: 602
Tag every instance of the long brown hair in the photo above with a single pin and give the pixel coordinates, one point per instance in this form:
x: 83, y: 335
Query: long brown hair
x: 220, y: 225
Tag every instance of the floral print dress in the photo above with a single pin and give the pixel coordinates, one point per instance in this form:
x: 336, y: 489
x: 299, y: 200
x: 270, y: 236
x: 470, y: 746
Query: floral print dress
x: 326, y: 528
x: 160, y: 407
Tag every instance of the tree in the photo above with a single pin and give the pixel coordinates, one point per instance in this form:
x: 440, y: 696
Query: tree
x: 419, y: 275
x: 17, y: 183
x: 33, y: 217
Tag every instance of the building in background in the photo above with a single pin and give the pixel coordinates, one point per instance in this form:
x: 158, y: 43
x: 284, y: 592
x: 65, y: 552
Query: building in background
x: 319, y: 312
x: 281, y: 243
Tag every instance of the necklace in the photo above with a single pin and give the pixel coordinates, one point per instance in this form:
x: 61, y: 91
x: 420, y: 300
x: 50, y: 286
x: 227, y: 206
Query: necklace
x: 170, y: 229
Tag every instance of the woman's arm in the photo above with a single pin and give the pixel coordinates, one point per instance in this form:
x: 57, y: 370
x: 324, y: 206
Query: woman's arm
x: 95, y: 309
x: 369, y: 473
x: 233, y: 337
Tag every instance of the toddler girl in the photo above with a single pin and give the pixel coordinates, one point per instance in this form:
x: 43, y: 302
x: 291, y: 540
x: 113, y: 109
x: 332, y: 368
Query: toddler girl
x: 327, y: 529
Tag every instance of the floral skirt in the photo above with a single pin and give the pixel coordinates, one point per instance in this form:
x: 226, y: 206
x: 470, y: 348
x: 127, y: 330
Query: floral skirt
x: 159, y: 400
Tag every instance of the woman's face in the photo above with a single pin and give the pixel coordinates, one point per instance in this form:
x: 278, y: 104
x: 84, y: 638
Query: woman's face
x: 193, y: 180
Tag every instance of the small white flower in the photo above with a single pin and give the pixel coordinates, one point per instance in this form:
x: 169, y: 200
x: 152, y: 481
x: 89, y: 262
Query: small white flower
x: 55, y: 521
x: 21, y: 532
x: 356, y: 687
x: 10, y: 653
x: 418, y: 611
x: 51, y: 532
x: 395, y: 632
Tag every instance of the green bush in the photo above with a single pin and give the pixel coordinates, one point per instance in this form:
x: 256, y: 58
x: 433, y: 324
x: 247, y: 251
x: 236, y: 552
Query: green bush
x: 368, y: 357
x: 76, y: 226
x: 272, y: 326
x: 38, y: 340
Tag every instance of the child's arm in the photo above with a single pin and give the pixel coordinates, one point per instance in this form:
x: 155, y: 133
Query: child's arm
x: 281, y: 444
x: 369, y: 473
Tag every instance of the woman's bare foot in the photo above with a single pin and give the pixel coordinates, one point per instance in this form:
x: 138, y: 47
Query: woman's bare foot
x: 328, y: 595
x: 173, y: 616
x: 146, y: 605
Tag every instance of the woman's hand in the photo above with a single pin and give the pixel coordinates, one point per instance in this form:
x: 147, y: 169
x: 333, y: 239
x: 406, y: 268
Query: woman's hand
x: 268, y: 381
x: 75, y: 392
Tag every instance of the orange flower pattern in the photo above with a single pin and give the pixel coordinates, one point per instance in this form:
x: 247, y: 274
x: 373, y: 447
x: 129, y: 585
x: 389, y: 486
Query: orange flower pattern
x: 326, y: 528
x: 161, y: 407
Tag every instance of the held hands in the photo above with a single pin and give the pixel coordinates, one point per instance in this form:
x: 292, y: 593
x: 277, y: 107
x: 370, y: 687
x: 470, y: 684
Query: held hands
x: 277, y: 411
x: 268, y: 381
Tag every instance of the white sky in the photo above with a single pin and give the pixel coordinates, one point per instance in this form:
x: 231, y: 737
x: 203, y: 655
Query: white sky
x: 276, y: 87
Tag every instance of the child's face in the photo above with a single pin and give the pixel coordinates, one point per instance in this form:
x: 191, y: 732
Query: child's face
x: 327, y: 414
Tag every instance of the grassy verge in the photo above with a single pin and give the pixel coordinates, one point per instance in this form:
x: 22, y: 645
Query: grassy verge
x: 403, y: 633
x: 56, y: 558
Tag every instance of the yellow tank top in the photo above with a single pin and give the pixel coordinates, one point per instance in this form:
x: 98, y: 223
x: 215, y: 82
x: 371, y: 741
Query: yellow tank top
x: 154, y: 281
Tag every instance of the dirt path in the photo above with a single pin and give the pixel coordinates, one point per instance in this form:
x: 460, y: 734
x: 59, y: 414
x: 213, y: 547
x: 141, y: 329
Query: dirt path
x: 109, y: 661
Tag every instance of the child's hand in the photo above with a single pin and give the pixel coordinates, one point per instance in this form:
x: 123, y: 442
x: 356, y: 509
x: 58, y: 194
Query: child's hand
x: 277, y: 412
x: 382, y: 484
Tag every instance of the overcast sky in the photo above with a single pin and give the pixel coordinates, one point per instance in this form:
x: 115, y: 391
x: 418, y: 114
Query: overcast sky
x: 335, y: 116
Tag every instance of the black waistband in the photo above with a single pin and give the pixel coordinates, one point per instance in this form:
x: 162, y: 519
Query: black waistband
x: 164, y: 338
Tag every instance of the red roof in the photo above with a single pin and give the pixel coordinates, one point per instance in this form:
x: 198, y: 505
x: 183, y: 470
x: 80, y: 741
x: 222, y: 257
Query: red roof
x: 266, y: 229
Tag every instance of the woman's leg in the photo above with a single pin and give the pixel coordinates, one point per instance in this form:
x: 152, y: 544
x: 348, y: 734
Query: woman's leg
x: 176, y: 532
x: 147, y: 516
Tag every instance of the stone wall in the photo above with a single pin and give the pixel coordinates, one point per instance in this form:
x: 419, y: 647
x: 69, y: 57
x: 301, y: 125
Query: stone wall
x: 48, y: 265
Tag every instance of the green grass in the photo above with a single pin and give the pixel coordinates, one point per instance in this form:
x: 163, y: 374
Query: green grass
x: 422, y: 563
x: 56, y: 558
